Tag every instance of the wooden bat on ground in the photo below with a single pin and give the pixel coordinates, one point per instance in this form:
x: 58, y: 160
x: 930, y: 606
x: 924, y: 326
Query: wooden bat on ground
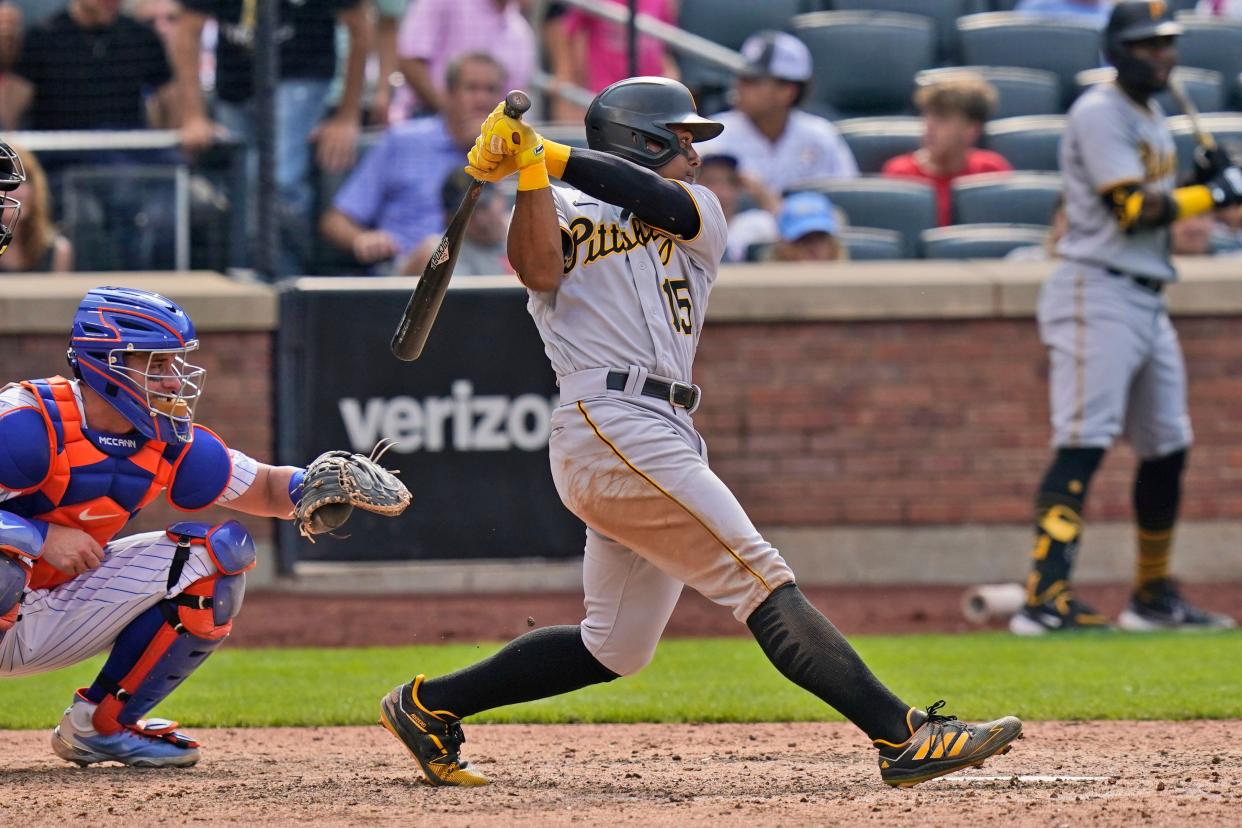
x: 420, y: 312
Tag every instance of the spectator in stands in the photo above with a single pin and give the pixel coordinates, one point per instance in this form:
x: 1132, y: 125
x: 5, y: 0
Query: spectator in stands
x: 774, y: 140
x: 1227, y: 232
x: 161, y: 16
x: 391, y: 201
x: 434, y: 32
x: 12, y: 27
x: 1094, y: 12
x: 38, y: 247
x: 307, y: 63
x: 598, y: 49
x: 954, y: 112
x: 1220, y: 8
x: 1057, y: 225
x: 88, y: 67
x: 748, y: 228
x: 1191, y: 236
x: 808, y: 226
x: 483, y: 249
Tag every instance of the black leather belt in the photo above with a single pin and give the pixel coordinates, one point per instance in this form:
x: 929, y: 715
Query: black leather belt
x: 1147, y: 283
x: 681, y: 394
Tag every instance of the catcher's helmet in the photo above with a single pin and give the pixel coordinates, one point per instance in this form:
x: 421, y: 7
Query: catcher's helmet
x: 629, y: 113
x: 114, y: 321
x: 1131, y: 21
x: 12, y: 176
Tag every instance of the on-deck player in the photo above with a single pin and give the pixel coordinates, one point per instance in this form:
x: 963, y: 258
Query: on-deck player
x: 619, y: 270
x: 1116, y: 366
x: 78, y: 459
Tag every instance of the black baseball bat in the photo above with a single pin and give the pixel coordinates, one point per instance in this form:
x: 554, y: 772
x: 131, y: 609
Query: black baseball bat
x: 424, y: 305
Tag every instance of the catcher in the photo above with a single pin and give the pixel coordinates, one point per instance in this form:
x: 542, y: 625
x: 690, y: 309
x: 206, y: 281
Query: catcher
x: 78, y: 459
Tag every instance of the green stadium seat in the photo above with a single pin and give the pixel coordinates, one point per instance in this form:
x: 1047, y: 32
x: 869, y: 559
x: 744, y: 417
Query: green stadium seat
x: 1030, y: 142
x: 1020, y: 91
x: 849, y: 79
x: 728, y: 24
x: 1213, y: 43
x: 872, y: 244
x: 979, y: 241
x: 875, y: 140
x: 1012, y: 198
x: 1064, y: 47
x: 908, y: 207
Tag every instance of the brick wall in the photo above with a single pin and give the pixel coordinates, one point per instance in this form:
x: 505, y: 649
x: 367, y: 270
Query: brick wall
x: 236, y: 404
x: 930, y: 422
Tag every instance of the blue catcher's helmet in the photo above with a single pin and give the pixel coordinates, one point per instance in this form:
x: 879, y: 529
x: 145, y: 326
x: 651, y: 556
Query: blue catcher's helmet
x: 130, y: 347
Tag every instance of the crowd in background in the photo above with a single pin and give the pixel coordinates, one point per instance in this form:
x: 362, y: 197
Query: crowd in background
x: 423, y: 74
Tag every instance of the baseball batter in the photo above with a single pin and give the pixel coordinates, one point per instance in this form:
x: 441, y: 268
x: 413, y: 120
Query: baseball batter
x: 78, y: 459
x: 619, y: 270
x: 1116, y: 366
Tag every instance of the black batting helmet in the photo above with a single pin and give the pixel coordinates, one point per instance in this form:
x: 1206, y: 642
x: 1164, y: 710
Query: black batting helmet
x: 1131, y: 21
x: 628, y: 114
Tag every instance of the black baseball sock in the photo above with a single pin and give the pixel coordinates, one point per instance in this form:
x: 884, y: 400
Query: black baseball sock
x: 1157, y: 494
x: 809, y: 651
x: 1058, y: 521
x: 544, y: 662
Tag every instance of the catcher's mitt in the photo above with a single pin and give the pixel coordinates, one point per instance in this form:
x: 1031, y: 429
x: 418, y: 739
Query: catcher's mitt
x: 337, y: 481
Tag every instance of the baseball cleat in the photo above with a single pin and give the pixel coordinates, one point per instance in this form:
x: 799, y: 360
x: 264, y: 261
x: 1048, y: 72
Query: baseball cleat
x: 1061, y: 613
x: 152, y: 743
x: 939, y: 745
x: 1160, y: 606
x: 432, y: 737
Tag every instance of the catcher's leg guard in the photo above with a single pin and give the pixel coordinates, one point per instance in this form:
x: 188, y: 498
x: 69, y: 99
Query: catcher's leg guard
x: 13, y: 578
x: 19, y: 540
x: 161, y: 647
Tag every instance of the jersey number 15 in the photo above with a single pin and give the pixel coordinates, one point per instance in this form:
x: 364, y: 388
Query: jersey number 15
x: 677, y: 291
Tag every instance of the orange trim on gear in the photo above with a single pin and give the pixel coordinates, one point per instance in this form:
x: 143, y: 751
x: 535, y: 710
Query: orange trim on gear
x: 667, y: 494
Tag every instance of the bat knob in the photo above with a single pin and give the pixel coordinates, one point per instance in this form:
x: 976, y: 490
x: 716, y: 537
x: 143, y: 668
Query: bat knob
x: 517, y: 103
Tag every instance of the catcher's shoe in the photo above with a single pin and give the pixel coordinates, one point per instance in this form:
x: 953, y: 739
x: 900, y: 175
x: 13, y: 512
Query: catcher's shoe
x: 433, y: 737
x: 1060, y: 613
x: 152, y: 743
x: 1160, y: 606
x: 940, y: 745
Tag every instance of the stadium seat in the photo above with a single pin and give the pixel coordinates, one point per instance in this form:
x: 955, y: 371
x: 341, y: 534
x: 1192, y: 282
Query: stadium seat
x: 1000, y: 5
x: 1213, y: 43
x: 1202, y: 85
x: 572, y: 134
x: 1028, y: 143
x: 909, y: 207
x: 1015, y: 198
x: 979, y: 241
x: 943, y: 13
x: 728, y: 24
x: 127, y: 216
x: 1064, y: 47
x: 842, y: 42
x: 872, y: 243
x: 1020, y: 91
x: 1225, y: 127
x: 875, y: 140
x: 1182, y: 5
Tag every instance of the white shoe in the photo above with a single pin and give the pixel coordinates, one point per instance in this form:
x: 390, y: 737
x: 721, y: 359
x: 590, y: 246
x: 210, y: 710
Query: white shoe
x: 152, y: 743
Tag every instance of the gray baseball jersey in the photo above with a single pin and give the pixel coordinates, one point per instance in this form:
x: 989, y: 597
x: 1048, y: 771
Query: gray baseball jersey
x: 1110, y: 140
x: 633, y: 467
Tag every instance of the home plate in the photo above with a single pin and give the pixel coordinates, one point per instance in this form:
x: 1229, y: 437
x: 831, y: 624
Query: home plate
x: 1026, y: 778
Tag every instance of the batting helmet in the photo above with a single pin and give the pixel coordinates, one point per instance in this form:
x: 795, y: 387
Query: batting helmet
x: 630, y: 115
x: 1132, y: 21
x: 113, y: 322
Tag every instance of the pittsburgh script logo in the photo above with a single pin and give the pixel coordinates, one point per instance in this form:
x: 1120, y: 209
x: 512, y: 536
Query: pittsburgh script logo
x: 602, y: 240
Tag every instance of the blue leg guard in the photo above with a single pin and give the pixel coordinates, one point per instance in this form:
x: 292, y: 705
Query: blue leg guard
x: 13, y: 577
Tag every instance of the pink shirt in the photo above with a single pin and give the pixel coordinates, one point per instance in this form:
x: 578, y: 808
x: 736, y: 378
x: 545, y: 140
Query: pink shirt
x: 607, y: 49
x: 439, y: 30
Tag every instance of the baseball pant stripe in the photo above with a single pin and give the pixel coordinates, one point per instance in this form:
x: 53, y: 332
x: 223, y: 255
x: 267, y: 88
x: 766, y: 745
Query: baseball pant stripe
x: 612, y: 447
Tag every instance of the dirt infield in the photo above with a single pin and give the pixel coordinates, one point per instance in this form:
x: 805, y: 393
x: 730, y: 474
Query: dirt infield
x: 289, y: 619
x: 1099, y: 774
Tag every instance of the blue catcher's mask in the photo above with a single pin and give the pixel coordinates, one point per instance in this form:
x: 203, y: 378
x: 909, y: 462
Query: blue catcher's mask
x: 130, y: 346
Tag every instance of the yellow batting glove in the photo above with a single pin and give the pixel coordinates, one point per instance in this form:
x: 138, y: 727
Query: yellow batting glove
x: 498, y: 172
x: 482, y: 158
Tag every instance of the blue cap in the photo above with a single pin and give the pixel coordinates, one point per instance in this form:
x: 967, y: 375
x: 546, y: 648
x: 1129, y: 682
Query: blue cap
x: 803, y: 213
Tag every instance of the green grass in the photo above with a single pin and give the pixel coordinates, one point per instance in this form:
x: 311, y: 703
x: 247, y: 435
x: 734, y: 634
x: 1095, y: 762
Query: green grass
x: 712, y: 680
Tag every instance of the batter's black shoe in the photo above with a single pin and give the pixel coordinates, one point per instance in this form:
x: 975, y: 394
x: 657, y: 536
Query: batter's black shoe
x: 432, y: 737
x: 939, y: 745
x: 1160, y: 606
x: 1061, y: 613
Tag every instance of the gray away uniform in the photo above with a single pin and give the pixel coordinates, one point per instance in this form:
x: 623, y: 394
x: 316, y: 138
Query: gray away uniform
x: 1115, y: 362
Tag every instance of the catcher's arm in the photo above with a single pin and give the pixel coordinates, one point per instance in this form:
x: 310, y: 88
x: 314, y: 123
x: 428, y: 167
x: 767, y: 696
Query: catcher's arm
x: 271, y: 494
